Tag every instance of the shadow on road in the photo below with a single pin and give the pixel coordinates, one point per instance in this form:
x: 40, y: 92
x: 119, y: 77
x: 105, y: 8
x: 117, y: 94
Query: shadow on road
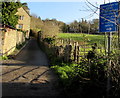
x: 37, y: 81
x: 29, y: 89
x: 21, y: 64
x: 28, y: 74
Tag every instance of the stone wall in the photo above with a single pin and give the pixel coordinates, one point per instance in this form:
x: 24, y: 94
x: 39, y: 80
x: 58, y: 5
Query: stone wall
x: 9, y: 39
x: 20, y: 37
x: 0, y: 42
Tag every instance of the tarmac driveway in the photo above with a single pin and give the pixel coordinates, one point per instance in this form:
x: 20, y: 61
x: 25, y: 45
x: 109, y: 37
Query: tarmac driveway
x: 28, y: 74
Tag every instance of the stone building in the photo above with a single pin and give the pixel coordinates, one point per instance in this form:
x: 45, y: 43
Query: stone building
x: 10, y: 37
x: 24, y: 20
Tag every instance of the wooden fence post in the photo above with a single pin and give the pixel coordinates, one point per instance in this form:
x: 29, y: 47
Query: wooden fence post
x: 67, y: 53
x: 78, y: 54
x: 75, y: 51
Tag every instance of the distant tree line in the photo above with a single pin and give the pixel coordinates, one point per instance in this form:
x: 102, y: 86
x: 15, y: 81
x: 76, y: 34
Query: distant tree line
x: 83, y: 26
x: 51, y: 27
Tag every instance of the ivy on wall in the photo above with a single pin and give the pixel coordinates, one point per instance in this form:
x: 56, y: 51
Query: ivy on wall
x: 9, y: 10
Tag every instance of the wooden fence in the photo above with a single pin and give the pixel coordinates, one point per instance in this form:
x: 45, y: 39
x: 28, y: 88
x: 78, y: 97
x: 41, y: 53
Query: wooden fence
x: 66, y: 50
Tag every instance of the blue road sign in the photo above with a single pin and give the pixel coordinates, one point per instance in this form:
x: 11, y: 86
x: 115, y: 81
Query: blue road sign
x: 108, y: 17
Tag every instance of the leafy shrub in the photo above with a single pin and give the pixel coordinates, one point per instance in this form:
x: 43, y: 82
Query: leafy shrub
x: 3, y: 57
x: 69, y: 74
x: 89, y: 73
x: 49, y: 40
x: 49, y: 29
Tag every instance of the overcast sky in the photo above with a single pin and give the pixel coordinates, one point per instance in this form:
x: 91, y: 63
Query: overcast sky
x: 65, y: 10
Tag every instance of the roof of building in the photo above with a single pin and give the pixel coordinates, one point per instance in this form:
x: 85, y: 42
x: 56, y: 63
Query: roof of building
x: 26, y: 10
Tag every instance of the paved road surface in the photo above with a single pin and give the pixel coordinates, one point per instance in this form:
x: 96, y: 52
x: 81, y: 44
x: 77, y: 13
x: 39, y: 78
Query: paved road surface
x: 29, y: 74
x: 32, y: 54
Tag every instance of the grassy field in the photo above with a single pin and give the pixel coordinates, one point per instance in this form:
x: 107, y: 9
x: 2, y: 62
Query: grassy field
x: 89, y: 38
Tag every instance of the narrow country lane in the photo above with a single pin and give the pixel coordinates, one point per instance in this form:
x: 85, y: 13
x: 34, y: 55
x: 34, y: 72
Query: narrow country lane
x: 32, y: 54
x: 29, y: 74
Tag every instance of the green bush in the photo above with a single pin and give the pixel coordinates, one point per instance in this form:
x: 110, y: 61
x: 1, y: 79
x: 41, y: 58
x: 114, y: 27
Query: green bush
x: 3, y: 57
x: 89, y: 73
x: 49, y: 40
x: 69, y: 74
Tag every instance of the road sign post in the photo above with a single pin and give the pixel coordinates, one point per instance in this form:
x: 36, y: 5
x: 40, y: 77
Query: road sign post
x: 109, y: 42
x: 109, y: 22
